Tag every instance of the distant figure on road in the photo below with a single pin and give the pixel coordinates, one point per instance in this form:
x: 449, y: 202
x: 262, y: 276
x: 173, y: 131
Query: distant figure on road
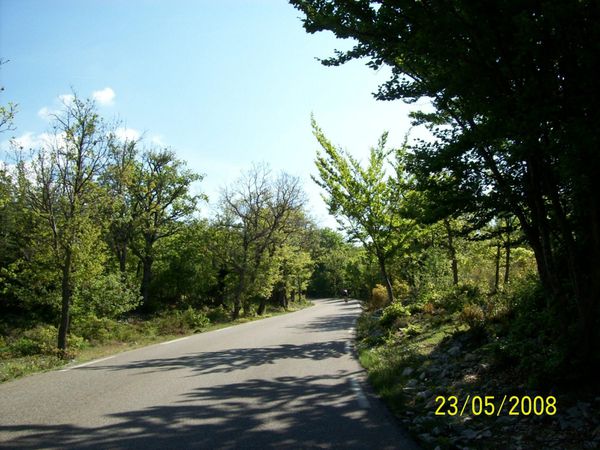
x: 345, y: 295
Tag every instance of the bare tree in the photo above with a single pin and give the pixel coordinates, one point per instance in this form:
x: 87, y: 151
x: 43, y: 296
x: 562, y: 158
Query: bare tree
x: 259, y: 211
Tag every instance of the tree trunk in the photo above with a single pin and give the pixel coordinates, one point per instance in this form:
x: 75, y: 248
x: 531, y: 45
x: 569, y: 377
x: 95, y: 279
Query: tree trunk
x: 122, y: 253
x: 67, y: 292
x: 451, y: 251
x: 497, y: 263
x: 146, y: 279
x: 507, y: 263
x: 386, y: 279
x: 262, y: 306
x: 237, y: 300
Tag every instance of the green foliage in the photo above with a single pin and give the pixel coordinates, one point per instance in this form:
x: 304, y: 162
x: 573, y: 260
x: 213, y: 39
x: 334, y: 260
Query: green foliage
x: 393, y: 314
x: 514, y: 121
x: 185, y: 272
x: 94, y: 329
x: 401, y: 289
x: 40, y: 340
x: 181, y: 322
x: 107, y: 295
x: 459, y: 296
x: 366, y: 201
x: 473, y: 316
x: 379, y: 297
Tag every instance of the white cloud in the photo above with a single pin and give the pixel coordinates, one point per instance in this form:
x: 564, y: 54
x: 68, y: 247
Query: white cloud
x: 45, y: 113
x: 66, y: 99
x: 33, y: 141
x: 158, y: 140
x: 105, y: 97
x: 127, y: 134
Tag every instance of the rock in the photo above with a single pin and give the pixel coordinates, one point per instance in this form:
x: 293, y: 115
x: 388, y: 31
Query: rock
x: 454, y: 351
x: 470, y: 357
x: 422, y: 376
x: 412, y: 383
x: 407, y: 372
x: 467, y: 433
x: 423, y: 395
x: 426, y: 437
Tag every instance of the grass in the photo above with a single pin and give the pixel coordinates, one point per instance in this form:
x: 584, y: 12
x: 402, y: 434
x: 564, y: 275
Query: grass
x: 25, y: 352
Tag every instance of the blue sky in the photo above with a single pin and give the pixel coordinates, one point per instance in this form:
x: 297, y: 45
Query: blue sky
x: 224, y: 83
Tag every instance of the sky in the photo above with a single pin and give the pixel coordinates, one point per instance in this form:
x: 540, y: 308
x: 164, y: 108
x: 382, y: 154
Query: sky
x: 223, y: 83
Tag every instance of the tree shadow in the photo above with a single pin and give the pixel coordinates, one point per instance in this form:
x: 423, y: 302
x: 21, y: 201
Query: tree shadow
x: 285, y: 412
x: 344, y: 319
x: 226, y: 361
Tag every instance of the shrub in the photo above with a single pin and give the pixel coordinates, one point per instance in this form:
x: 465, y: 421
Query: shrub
x: 379, y: 297
x: 428, y: 308
x: 94, y: 329
x: 473, y: 316
x: 461, y: 295
x: 412, y: 329
x: 219, y: 314
x: 401, y: 289
x: 181, y: 322
x: 194, y: 319
x: 35, y: 341
x: 393, y: 313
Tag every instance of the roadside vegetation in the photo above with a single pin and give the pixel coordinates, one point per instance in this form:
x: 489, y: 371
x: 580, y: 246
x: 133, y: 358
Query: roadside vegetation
x: 476, y: 251
x: 24, y: 350
x: 485, y: 236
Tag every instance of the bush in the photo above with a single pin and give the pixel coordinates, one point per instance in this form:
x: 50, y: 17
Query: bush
x: 39, y: 340
x: 94, y: 329
x: 194, y: 319
x: 428, y: 308
x: 219, y: 314
x: 181, y: 322
x: 473, y: 316
x: 401, y: 289
x: 393, y: 313
x: 460, y: 295
x: 379, y: 297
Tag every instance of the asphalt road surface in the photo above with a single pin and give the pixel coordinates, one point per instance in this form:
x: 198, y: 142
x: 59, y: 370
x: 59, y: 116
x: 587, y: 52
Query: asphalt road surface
x: 285, y: 382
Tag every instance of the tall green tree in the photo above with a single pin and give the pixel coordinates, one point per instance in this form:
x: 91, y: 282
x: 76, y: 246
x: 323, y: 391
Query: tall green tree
x: 65, y: 195
x: 514, y: 89
x: 366, y: 202
x: 161, y: 203
x: 118, y: 179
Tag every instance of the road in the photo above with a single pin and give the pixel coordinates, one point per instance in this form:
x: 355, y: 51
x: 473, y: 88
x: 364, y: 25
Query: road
x: 290, y: 381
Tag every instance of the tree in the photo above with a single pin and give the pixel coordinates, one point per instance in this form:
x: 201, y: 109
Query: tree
x: 117, y: 179
x: 7, y: 112
x: 515, y: 97
x: 257, y: 214
x: 65, y: 195
x: 365, y: 201
x: 160, y: 204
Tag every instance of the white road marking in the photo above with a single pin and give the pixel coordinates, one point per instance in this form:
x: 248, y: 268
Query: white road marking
x: 360, y: 395
x: 174, y: 340
x: 89, y: 363
x: 222, y: 329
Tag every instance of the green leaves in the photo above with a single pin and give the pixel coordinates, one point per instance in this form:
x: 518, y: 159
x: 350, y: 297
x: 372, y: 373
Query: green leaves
x: 367, y: 201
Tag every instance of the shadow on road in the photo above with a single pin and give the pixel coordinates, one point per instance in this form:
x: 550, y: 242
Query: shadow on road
x: 286, y: 412
x: 226, y: 361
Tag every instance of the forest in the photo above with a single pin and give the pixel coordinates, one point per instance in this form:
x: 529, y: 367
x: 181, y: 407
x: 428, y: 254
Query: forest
x: 490, y: 229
